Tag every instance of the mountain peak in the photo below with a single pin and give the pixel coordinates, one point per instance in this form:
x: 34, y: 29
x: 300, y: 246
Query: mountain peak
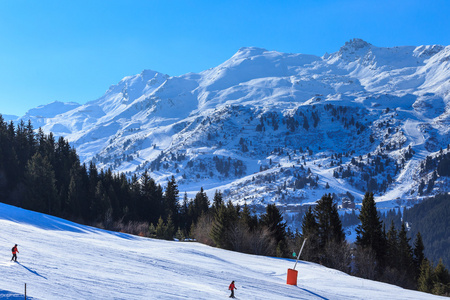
x: 147, y: 73
x: 355, y: 44
x: 249, y: 51
x: 52, y: 109
x: 351, y: 50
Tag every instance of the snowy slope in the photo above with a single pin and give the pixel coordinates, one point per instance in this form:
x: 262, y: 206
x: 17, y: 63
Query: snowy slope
x: 63, y: 260
x: 256, y: 123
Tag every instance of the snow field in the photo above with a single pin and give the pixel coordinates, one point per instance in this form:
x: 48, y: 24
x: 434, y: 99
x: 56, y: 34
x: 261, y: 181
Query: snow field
x: 63, y: 260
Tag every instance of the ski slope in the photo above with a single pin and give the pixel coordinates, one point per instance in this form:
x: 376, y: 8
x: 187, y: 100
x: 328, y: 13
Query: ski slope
x: 63, y: 260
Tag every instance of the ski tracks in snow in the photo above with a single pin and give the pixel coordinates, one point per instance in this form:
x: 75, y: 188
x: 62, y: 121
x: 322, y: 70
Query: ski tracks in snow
x: 405, y: 180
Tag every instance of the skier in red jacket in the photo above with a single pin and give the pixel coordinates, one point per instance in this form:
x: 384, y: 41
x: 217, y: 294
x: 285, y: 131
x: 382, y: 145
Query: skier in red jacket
x: 14, y: 253
x: 232, y: 287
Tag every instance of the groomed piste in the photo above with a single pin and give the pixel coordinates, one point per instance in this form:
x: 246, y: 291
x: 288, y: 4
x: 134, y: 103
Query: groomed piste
x: 59, y: 259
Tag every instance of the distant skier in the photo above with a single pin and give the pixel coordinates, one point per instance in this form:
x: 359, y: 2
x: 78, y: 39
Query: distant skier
x: 14, y: 253
x: 232, y: 287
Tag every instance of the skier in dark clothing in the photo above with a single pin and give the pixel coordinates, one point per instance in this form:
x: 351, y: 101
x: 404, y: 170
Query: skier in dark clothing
x: 14, y: 253
x: 232, y: 287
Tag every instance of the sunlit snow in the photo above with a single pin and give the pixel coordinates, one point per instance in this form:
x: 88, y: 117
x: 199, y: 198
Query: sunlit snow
x: 63, y: 260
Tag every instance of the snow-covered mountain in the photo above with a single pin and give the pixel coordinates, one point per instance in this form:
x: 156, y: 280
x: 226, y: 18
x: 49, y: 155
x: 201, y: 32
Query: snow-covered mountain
x: 40, y: 114
x: 62, y: 260
x: 266, y: 126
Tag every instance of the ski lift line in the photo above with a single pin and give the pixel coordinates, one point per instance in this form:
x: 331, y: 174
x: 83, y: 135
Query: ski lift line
x: 301, y: 249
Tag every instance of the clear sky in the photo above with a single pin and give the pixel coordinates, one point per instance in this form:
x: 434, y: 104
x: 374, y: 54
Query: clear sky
x: 74, y: 50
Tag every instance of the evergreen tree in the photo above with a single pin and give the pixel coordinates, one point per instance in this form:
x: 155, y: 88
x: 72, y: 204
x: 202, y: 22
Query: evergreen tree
x: 101, y: 203
x: 309, y: 224
x: 326, y: 238
x: 171, y: 201
x: 430, y: 217
x: 75, y: 194
x: 225, y: 217
x: 274, y: 221
x: 249, y: 220
x: 328, y: 223
x: 150, y: 206
x: 217, y: 201
x: 161, y: 229
x: 370, y: 232
x: 418, y: 252
x: 185, y: 219
x: 40, y: 182
x: 441, y: 280
x: 392, y: 246
x: 425, y: 281
x: 405, y: 258
x: 170, y: 229
x: 310, y: 231
x: 200, y: 205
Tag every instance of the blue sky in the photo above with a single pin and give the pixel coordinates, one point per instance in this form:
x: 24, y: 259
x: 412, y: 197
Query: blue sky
x: 74, y: 50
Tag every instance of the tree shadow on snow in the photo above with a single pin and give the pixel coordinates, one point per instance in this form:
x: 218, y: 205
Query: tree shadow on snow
x: 7, y: 295
x: 312, y: 293
x: 47, y: 222
x: 31, y: 271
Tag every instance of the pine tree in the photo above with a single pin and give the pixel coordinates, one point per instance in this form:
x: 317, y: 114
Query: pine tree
x: 406, y: 262
x: 425, y: 281
x: 441, y: 280
x: 149, y: 204
x: 392, y: 247
x: 152, y: 231
x: 249, y: 220
x: 40, y: 181
x: 328, y: 223
x: 75, y: 194
x: 185, y: 219
x: 309, y: 224
x: 274, y: 221
x: 310, y: 231
x: 370, y: 232
x: 170, y: 229
x: 418, y: 253
x: 172, y: 208
x: 200, y: 205
x: 161, y: 229
x: 101, y: 202
x: 224, y: 218
x: 217, y: 201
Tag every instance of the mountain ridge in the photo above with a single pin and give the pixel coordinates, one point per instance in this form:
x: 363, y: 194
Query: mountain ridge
x: 266, y: 126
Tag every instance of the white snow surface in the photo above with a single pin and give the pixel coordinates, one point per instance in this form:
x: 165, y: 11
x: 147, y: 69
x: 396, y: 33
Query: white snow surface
x: 59, y: 259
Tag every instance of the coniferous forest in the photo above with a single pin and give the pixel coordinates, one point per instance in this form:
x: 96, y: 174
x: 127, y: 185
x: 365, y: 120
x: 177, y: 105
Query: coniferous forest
x: 40, y: 173
x: 430, y: 218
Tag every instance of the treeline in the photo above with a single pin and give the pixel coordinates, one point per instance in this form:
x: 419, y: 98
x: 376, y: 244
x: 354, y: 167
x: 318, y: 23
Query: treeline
x: 431, y: 218
x: 40, y: 173
x: 237, y: 228
x: 379, y: 253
